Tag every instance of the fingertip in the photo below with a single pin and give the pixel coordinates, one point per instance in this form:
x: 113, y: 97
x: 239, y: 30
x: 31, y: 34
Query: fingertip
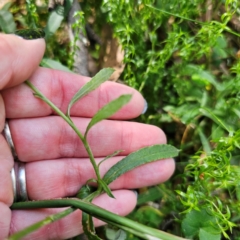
x: 139, y: 104
x: 20, y: 58
x: 145, y: 107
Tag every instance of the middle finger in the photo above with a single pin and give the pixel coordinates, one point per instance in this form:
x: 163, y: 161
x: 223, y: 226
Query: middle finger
x: 52, y: 138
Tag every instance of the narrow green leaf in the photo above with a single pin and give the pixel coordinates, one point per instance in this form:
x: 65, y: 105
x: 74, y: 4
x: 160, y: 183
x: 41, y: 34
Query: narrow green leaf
x: 49, y: 219
x: 108, y: 110
x: 7, y: 23
x: 49, y: 63
x: 140, y: 157
x: 106, y: 188
x: 218, y: 121
x: 205, y: 142
x: 94, y: 83
x: 109, y: 156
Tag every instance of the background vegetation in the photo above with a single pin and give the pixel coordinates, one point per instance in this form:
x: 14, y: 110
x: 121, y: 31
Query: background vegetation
x: 184, y: 58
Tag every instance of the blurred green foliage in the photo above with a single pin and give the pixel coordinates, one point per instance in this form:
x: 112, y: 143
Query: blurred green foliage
x: 184, y: 58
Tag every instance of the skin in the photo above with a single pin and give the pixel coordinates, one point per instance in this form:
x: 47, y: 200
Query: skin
x: 56, y: 162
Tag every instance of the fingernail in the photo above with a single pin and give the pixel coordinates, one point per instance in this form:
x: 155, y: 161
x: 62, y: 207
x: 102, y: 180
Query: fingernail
x: 145, y: 106
x: 136, y: 193
x: 30, y: 34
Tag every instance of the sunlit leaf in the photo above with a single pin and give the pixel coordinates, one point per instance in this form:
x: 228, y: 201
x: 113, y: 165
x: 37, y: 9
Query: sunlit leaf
x: 108, y: 110
x: 140, y: 157
x: 94, y: 83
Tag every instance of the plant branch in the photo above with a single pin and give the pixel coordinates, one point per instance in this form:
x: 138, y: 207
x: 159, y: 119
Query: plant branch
x: 100, y: 213
x: 38, y: 94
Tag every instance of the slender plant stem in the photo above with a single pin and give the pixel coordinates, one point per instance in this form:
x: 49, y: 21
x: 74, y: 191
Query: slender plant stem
x: 87, y: 207
x: 38, y: 94
x: 50, y: 219
x: 90, y: 154
x: 100, y: 213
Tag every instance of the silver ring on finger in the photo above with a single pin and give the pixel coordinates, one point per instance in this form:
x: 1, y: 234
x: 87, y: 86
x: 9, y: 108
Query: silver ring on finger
x: 18, y: 172
x: 19, y: 180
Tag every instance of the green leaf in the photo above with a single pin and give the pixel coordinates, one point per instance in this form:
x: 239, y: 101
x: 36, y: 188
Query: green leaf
x: 106, y: 188
x: 217, y: 120
x: 200, y: 222
x: 108, y: 110
x: 7, y: 23
x: 94, y: 83
x: 85, y: 191
x: 140, y: 157
x: 113, y: 234
x: 49, y: 63
x: 148, y: 216
x: 202, y: 76
x: 109, y: 156
x: 205, y: 235
x: 151, y: 194
x: 204, y: 141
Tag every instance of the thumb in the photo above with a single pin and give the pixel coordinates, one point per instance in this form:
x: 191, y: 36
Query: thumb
x: 19, y: 58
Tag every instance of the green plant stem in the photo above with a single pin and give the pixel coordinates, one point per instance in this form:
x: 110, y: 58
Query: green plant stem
x: 50, y: 219
x: 100, y: 213
x: 38, y: 94
x: 175, y: 15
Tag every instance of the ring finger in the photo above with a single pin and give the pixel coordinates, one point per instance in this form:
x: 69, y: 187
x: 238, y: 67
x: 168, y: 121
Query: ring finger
x: 64, y: 177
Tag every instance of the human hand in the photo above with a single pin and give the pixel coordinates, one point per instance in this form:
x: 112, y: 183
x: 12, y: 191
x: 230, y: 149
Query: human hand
x: 57, y: 164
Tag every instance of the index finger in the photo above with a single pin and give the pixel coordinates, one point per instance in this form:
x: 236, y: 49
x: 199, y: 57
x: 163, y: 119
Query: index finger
x: 60, y: 87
